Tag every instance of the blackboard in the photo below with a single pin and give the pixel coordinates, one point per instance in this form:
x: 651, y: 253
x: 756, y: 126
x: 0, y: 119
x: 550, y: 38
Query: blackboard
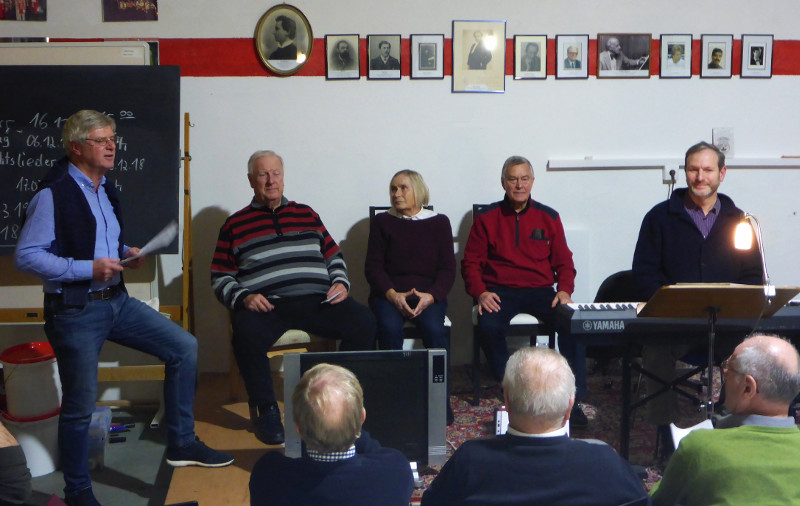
x: 144, y: 102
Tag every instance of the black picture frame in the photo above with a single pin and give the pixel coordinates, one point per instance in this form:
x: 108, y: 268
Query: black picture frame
x: 530, y: 66
x: 384, y: 66
x: 711, y: 65
x: 676, y: 45
x: 342, y: 62
x: 427, y: 56
x: 572, y: 56
x: 756, y: 56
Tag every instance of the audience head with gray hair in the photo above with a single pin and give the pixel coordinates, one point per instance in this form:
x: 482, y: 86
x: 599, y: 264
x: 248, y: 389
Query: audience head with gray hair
x: 539, y: 390
x: 762, y: 376
x: 328, y: 408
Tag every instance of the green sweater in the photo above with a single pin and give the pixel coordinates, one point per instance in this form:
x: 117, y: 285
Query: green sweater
x: 746, y: 465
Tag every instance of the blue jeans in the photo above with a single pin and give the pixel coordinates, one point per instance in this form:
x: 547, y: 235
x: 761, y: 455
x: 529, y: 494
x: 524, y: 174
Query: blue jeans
x: 77, y: 335
x: 493, y: 328
x: 390, y: 325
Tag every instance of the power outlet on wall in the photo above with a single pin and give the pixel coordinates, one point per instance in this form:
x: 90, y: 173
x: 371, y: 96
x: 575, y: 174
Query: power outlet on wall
x: 669, y: 174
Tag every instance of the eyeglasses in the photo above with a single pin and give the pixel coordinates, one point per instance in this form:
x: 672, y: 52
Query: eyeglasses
x: 523, y: 179
x: 102, y: 141
x: 727, y: 366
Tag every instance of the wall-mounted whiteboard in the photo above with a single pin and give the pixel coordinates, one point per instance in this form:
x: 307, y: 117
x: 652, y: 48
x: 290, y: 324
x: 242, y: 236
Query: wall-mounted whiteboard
x: 75, y: 53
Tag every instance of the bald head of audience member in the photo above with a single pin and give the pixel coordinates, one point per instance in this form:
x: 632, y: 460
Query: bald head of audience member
x: 762, y: 376
x: 328, y: 408
x: 539, y: 390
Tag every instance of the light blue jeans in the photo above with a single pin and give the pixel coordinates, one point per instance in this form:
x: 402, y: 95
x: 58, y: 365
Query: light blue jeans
x: 77, y: 335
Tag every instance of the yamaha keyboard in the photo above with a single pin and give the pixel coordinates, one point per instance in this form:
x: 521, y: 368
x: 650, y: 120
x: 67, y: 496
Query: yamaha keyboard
x: 603, y: 321
x: 609, y: 324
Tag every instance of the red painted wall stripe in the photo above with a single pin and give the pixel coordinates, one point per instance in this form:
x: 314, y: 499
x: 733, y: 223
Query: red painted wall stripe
x: 238, y: 57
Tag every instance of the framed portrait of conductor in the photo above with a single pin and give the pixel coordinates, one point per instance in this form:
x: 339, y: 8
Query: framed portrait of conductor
x: 283, y: 39
x: 623, y: 55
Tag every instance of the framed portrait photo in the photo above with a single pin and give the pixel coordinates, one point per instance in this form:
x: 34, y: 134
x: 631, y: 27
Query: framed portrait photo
x: 623, y: 55
x: 757, y: 56
x: 427, y: 56
x: 571, y: 53
x: 341, y: 57
x: 283, y: 39
x: 383, y: 56
x: 676, y: 56
x: 479, y: 56
x: 530, y: 56
x: 716, y: 58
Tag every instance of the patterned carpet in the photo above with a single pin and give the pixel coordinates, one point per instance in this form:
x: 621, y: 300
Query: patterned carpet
x: 602, y: 406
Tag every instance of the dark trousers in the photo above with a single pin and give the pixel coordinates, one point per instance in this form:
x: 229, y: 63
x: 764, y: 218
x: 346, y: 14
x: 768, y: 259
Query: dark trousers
x: 493, y: 329
x: 254, y: 333
x: 430, y: 323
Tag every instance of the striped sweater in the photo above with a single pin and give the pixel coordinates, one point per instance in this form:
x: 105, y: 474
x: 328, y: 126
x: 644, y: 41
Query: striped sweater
x: 281, y: 253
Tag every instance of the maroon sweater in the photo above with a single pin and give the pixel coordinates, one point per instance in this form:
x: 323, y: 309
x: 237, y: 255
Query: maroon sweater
x: 405, y: 254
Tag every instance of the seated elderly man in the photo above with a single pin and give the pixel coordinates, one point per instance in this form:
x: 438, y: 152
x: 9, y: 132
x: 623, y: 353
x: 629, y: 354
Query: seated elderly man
x: 276, y: 268
x: 341, y: 465
x: 536, y: 462
x: 757, y: 461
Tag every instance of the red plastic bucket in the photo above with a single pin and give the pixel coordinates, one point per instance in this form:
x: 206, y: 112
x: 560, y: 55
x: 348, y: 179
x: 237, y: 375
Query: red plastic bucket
x: 30, y: 372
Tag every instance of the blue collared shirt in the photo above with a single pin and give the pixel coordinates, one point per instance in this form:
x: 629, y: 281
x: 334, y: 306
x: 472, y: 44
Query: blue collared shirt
x: 37, y: 252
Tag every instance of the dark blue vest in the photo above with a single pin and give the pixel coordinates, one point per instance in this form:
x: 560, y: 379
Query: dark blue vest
x: 75, y: 224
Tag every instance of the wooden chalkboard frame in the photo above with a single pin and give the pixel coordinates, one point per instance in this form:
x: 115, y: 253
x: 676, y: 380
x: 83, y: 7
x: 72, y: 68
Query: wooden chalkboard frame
x: 145, y: 103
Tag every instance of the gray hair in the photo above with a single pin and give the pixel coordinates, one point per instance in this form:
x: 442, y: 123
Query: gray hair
x: 80, y: 124
x: 539, y: 384
x: 515, y: 160
x: 700, y: 146
x: 422, y: 195
x: 320, y: 388
x: 251, y: 163
x: 774, y: 381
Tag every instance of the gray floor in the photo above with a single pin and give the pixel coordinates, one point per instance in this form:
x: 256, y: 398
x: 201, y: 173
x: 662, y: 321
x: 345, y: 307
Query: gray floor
x: 135, y: 472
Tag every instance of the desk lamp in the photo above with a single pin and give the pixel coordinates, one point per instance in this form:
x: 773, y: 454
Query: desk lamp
x: 743, y: 240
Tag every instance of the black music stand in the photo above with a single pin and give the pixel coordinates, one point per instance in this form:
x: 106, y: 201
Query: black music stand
x: 710, y: 301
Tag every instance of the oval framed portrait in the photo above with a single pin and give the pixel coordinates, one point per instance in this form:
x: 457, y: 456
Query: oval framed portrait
x: 283, y: 39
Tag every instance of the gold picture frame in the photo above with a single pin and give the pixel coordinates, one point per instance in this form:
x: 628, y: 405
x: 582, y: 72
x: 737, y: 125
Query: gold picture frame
x: 283, y: 39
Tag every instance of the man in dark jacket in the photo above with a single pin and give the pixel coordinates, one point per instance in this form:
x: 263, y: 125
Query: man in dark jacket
x: 689, y: 239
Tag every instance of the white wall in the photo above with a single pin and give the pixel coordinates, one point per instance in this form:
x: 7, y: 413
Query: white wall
x: 342, y: 140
